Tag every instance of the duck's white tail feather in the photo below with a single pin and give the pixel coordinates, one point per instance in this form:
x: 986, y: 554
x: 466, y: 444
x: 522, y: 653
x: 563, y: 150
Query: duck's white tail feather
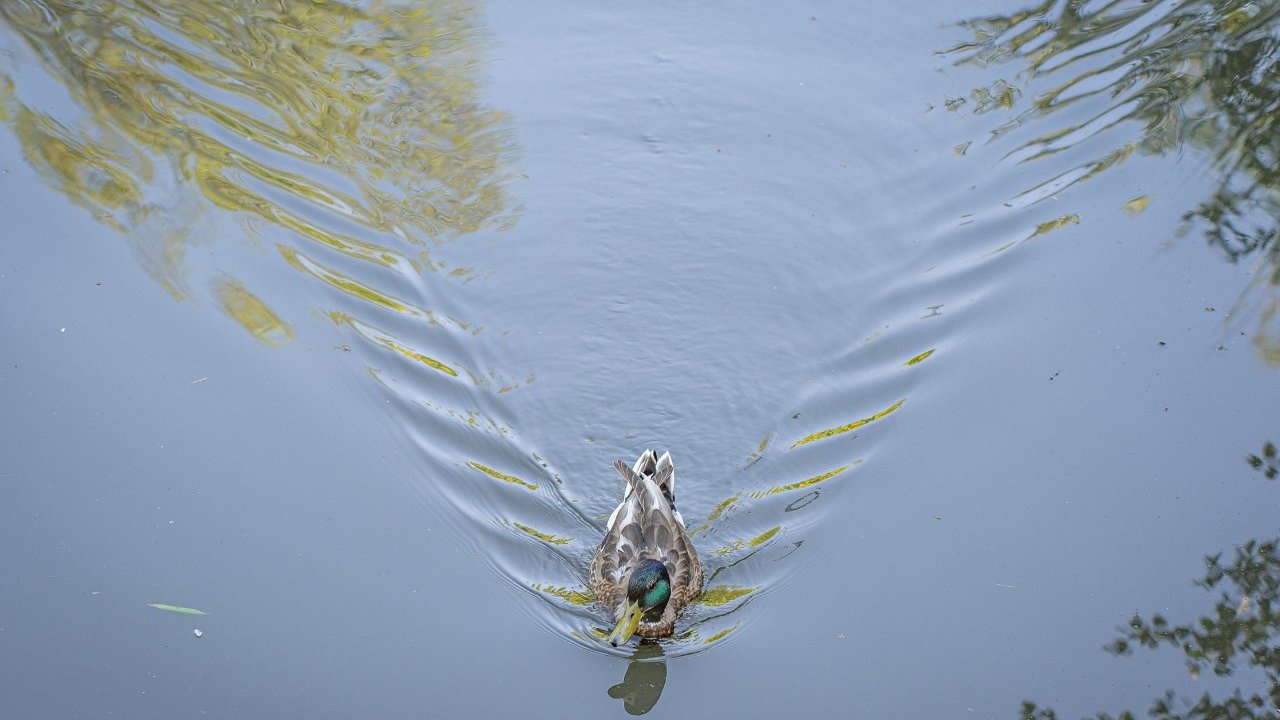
x: 665, y: 464
x: 648, y: 467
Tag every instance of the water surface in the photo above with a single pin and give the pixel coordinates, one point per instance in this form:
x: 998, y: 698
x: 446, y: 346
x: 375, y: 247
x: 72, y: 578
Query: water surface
x: 330, y: 320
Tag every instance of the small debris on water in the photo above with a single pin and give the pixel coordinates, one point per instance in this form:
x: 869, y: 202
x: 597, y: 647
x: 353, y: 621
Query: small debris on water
x: 1005, y: 586
x: 198, y: 632
x: 1161, y: 343
x: 343, y: 348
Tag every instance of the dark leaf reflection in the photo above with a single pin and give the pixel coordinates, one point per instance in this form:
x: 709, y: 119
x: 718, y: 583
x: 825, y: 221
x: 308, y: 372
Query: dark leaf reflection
x: 1241, y: 632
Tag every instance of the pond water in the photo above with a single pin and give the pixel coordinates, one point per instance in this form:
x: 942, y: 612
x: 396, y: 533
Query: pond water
x: 327, y: 321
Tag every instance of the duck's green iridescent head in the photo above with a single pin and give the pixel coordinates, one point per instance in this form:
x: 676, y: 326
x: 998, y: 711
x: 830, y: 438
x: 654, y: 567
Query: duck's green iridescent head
x: 648, y: 590
x: 649, y: 586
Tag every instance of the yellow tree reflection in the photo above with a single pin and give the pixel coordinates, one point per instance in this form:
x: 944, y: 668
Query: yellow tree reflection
x: 357, y: 129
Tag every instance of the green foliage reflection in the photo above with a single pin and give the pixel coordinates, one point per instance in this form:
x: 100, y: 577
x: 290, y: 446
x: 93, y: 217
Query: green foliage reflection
x: 1266, y: 462
x: 1241, y: 633
x: 1198, y: 73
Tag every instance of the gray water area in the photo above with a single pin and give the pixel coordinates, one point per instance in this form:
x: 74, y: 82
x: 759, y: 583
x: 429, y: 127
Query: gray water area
x: 329, y: 321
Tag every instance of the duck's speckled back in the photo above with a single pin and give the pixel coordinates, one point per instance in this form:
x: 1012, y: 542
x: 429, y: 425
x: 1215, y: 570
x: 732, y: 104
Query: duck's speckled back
x: 646, y: 525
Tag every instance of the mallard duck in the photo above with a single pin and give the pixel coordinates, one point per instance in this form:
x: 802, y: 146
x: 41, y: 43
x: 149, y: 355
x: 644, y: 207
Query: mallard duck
x: 646, y: 570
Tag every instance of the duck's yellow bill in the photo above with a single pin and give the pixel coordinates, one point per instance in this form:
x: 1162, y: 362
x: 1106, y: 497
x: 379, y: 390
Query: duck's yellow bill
x: 626, y: 625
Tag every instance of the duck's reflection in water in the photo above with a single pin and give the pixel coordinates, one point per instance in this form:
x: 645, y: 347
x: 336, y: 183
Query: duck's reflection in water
x: 646, y: 676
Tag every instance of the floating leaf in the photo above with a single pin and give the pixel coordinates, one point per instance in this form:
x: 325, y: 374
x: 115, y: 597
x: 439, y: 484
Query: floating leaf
x: 920, y: 358
x: 177, y: 609
x: 248, y: 310
x: 1056, y: 224
x: 1137, y: 205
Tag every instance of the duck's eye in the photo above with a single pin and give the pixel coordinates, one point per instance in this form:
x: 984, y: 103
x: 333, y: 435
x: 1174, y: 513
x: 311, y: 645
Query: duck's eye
x: 653, y: 583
